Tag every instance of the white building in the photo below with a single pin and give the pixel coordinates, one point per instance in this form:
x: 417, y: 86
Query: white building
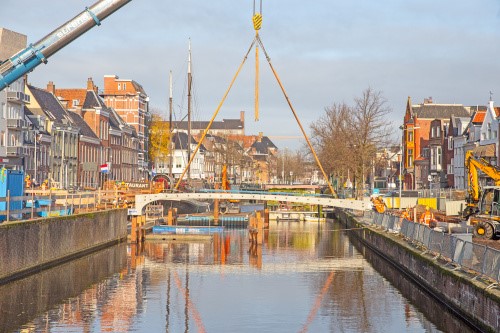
x: 12, y: 102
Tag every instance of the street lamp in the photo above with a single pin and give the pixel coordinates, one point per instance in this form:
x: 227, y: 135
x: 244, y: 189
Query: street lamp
x: 400, y: 157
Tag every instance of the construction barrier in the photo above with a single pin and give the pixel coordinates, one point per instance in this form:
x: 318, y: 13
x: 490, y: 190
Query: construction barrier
x: 463, y: 254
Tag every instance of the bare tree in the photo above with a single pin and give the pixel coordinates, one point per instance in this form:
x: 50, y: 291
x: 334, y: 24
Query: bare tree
x: 347, y: 137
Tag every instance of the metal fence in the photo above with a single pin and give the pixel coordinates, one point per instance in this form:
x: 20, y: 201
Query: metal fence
x: 462, y: 254
x: 42, y: 204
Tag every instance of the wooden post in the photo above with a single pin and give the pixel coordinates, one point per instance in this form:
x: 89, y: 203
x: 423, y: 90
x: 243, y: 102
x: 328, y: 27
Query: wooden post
x: 133, y: 230
x: 260, y: 229
x: 143, y: 229
x: 251, y: 228
x: 216, y: 207
x: 170, y: 217
x: 266, y: 218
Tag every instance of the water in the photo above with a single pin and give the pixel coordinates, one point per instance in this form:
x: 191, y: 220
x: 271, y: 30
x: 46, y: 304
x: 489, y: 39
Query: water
x: 307, y: 277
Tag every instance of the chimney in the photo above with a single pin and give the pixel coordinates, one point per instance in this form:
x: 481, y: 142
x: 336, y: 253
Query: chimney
x: 242, y: 117
x: 90, y: 84
x: 428, y: 100
x: 259, y: 139
x: 51, y: 87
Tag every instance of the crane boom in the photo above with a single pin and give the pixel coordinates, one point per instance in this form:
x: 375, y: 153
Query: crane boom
x: 27, y: 59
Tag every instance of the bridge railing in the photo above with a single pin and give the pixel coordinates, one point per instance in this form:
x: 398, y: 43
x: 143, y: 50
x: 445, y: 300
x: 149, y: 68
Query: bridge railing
x: 265, y: 192
x: 481, y: 260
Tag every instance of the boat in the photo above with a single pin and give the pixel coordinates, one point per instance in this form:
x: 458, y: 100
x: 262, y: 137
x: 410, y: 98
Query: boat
x: 309, y: 218
x: 182, y: 230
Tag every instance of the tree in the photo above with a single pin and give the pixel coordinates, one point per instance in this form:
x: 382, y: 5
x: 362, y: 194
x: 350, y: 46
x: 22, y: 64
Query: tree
x: 347, y: 137
x: 159, y: 139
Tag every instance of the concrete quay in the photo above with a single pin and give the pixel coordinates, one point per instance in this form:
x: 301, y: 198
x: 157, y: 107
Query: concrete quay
x: 468, y: 298
x: 28, y: 247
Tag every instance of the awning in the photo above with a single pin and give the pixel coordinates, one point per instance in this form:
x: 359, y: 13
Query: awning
x: 485, y: 151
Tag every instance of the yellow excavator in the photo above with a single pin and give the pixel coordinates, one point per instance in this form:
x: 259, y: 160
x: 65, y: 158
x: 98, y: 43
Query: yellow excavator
x: 483, y: 204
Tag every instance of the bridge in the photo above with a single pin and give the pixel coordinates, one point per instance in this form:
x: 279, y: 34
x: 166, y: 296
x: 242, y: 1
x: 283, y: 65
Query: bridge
x: 142, y: 200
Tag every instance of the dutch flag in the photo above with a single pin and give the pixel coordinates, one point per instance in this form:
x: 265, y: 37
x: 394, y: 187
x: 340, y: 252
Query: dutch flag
x: 104, y: 168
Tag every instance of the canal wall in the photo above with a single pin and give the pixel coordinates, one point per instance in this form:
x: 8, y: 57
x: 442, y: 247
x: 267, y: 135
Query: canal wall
x: 466, y: 297
x: 27, y: 247
x: 27, y: 298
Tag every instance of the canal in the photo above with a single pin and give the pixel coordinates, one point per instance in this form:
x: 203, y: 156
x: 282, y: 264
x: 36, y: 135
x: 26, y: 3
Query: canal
x: 307, y: 277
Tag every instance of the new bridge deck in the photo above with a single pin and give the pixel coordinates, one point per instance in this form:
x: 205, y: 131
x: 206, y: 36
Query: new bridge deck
x: 141, y: 200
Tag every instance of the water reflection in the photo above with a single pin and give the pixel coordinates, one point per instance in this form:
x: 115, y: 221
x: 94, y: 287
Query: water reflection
x: 23, y: 300
x: 427, y: 306
x: 307, y: 277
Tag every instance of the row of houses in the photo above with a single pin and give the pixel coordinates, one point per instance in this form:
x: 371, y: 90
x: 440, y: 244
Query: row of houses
x: 436, y: 137
x: 247, y: 158
x: 79, y: 137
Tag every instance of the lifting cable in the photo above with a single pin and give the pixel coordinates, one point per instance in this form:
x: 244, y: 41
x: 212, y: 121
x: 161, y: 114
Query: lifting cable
x: 257, y: 22
x: 295, y: 115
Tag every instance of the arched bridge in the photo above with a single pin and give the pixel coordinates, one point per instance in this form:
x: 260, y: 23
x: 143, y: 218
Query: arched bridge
x: 142, y: 200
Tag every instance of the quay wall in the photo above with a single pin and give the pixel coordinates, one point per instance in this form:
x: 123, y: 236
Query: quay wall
x: 457, y: 290
x: 29, y: 246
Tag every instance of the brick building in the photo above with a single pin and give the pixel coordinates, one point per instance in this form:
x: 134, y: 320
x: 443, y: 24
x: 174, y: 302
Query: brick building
x: 131, y: 103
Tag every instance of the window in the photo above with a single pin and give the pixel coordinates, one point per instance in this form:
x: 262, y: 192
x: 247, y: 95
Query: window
x: 119, y: 86
x: 410, y: 136
x: 124, y: 86
x: 410, y: 158
x: 488, y: 129
x: 438, y: 132
x: 450, y: 143
x: 76, y: 102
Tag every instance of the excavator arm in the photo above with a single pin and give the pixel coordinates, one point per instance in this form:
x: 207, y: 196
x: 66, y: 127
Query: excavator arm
x: 474, y: 165
x: 26, y: 60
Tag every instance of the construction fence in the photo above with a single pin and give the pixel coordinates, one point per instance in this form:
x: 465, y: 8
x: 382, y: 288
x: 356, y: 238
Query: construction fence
x: 42, y: 204
x: 481, y: 260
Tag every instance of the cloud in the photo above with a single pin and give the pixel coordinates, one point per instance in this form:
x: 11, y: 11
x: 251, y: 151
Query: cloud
x: 324, y: 52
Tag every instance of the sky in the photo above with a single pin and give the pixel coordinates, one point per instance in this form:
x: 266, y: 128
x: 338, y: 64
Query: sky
x: 324, y: 51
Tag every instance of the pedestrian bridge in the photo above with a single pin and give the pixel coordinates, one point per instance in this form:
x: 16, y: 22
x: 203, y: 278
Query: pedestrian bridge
x: 142, y: 200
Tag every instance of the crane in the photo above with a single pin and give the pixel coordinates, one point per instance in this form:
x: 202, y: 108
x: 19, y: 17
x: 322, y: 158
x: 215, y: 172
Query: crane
x: 27, y: 59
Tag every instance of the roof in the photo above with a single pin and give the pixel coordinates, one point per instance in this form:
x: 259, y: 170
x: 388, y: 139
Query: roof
x: 440, y: 111
x: 225, y: 124
x: 181, y: 141
x: 478, y: 117
x: 262, y: 146
x: 92, y: 100
x: 84, y: 127
x: 50, y: 105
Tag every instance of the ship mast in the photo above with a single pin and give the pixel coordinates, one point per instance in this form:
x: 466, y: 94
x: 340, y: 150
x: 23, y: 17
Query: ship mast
x: 189, y: 113
x: 170, y: 105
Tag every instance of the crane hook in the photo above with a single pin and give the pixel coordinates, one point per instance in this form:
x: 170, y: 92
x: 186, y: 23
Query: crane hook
x: 257, y: 17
